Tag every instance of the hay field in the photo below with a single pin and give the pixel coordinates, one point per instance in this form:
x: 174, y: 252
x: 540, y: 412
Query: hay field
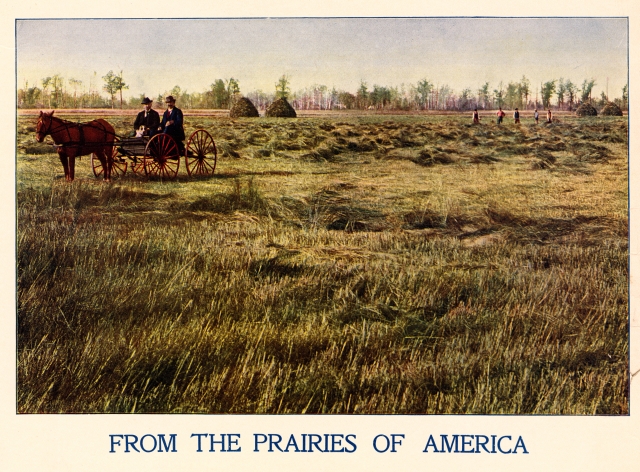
x: 413, y: 264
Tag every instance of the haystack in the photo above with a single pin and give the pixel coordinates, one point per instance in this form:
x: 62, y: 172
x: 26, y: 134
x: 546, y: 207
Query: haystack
x: 611, y: 109
x: 280, y: 109
x: 243, y: 108
x: 586, y: 110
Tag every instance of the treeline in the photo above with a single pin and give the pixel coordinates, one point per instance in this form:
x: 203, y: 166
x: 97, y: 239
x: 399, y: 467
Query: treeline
x: 561, y: 94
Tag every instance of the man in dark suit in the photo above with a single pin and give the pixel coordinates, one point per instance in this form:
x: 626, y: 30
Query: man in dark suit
x: 172, y: 122
x: 148, y: 119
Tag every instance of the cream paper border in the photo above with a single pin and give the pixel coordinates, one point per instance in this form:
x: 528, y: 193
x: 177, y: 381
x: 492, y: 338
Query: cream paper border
x: 81, y: 442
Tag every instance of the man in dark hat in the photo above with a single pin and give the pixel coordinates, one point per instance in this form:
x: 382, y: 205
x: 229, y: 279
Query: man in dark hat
x: 147, y: 120
x: 172, y: 122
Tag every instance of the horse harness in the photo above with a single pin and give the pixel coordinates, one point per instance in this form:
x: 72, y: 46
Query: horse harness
x: 67, y: 125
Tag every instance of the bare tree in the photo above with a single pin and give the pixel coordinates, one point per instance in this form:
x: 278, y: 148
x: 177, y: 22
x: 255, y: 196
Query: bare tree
x: 45, y: 85
x: 75, y: 84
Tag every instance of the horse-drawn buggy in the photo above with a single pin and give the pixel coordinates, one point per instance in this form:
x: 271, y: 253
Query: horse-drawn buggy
x: 158, y: 155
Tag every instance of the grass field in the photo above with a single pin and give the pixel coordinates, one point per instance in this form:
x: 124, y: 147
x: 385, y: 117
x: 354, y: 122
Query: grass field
x: 377, y: 264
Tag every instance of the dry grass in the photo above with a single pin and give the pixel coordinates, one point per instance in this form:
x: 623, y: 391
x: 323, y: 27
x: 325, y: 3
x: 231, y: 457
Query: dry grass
x: 360, y: 265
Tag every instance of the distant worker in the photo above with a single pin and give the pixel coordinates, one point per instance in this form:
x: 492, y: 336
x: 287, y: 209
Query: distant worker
x: 549, y: 118
x: 501, y: 115
x: 476, y: 117
x: 172, y: 122
x: 516, y: 116
x: 536, y: 116
x: 148, y: 120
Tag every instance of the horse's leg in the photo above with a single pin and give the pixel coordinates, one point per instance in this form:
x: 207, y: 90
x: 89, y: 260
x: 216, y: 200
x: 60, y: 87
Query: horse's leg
x: 65, y: 165
x: 72, y: 167
x: 106, y: 164
x: 108, y: 154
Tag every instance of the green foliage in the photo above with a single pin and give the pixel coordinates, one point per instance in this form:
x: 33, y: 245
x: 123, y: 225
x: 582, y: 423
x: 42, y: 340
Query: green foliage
x: 282, y: 87
x: 347, y: 99
x: 498, y: 95
x: 362, y: 97
x: 424, y: 89
x: 587, y: 87
x: 483, y: 95
x: 233, y: 87
x: 114, y: 84
x: 219, y: 94
x: 561, y: 91
x: 547, y: 89
x: 571, y: 90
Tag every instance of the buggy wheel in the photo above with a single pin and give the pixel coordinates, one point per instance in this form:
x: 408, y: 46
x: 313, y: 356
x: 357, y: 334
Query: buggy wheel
x: 137, y: 164
x: 201, y: 155
x: 118, y: 164
x: 161, y: 157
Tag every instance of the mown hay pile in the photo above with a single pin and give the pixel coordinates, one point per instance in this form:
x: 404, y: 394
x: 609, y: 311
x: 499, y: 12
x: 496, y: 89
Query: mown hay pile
x: 586, y: 110
x: 243, y: 108
x: 611, y: 109
x: 280, y: 109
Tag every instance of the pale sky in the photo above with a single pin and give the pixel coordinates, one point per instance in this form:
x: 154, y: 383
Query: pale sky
x: 156, y: 55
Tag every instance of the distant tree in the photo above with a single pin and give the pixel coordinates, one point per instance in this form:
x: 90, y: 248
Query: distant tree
x: 512, y: 95
x: 185, y: 99
x: 32, y: 95
x: 233, y: 88
x: 424, y: 89
x: 560, y: 93
x: 571, y: 90
x: 483, y: 95
x: 445, y: 97
x: 332, y: 98
x: 525, y: 90
x: 465, y: 99
x: 546, y: 90
x: 176, y: 92
x: 260, y: 99
x: 625, y: 97
x: 380, y: 96
x: 135, y: 101
x: 587, y: 87
x: 219, y: 94
x: 92, y: 90
x: 111, y: 86
x: 362, y: 96
x: 75, y: 84
x: 348, y: 100
x: 499, y: 95
x: 56, y: 83
x: 120, y: 86
x: 282, y: 87
x: 603, y: 99
x: 45, y: 85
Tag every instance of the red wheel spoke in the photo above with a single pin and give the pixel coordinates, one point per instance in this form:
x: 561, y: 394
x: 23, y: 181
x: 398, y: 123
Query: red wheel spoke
x: 206, y: 164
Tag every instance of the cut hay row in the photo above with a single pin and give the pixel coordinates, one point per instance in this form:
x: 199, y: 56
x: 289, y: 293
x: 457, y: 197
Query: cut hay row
x: 363, y: 265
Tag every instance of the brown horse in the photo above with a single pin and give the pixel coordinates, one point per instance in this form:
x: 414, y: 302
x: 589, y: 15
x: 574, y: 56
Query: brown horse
x: 78, y: 139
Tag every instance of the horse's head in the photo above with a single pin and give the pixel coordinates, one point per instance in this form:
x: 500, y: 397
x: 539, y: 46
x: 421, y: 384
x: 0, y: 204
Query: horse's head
x: 44, y: 125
